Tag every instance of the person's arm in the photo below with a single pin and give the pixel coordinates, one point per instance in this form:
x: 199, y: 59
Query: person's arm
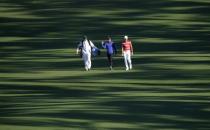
x: 79, y: 47
x: 91, y: 44
x: 131, y: 49
x: 103, y: 44
x: 115, y: 48
x: 122, y: 51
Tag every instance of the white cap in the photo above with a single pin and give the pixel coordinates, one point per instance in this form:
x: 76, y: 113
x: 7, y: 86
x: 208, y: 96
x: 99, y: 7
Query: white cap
x: 125, y: 37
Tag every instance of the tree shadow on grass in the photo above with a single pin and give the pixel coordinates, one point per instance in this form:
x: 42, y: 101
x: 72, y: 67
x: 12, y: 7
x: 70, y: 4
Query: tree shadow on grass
x: 152, y: 96
x: 132, y: 97
x: 155, y: 112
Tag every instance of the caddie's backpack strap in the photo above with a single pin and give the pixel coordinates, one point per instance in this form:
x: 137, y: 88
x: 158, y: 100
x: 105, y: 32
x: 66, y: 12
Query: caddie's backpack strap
x: 89, y: 43
x: 90, y: 46
x: 82, y: 43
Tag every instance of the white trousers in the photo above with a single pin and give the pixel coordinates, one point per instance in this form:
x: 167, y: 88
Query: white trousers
x: 87, y: 60
x: 127, y: 60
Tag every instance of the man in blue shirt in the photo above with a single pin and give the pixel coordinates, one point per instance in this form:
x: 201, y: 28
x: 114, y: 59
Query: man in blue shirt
x: 111, y: 49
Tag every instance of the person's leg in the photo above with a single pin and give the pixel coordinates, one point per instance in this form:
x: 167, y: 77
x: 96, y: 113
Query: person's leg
x: 126, y: 60
x: 111, y: 62
x: 109, y: 56
x: 129, y: 60
x: 85, y: 59
x: 89, y: 64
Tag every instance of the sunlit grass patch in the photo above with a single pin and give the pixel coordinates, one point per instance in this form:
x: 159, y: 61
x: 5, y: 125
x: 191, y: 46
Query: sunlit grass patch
x: 17, y: 12
x: 43, y: 83
x: 13, y: 39
x: 163, y: 40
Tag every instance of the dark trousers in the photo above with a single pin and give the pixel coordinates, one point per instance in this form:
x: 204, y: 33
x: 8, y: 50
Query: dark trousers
x: 109, y: 56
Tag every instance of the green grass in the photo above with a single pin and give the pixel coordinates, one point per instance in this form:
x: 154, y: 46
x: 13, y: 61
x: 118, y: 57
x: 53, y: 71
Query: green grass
x: 43, y: 84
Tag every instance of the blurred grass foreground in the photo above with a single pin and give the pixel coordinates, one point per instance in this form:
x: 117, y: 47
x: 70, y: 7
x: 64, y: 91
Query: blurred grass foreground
x: 43, y: 85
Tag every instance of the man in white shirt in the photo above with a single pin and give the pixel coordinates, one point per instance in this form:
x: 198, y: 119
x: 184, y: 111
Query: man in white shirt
x: 85, y: 47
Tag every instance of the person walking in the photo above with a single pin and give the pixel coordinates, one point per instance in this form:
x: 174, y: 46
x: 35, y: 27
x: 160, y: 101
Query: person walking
x: 111, y: 49
x: 127, y: 51
x: 85, y: 48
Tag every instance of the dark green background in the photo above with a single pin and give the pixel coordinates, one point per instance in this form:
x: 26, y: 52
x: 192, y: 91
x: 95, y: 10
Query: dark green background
x: 43, y: 85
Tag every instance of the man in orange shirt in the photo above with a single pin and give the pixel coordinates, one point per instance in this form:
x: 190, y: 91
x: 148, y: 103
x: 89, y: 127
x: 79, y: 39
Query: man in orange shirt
x: 127, y: 51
